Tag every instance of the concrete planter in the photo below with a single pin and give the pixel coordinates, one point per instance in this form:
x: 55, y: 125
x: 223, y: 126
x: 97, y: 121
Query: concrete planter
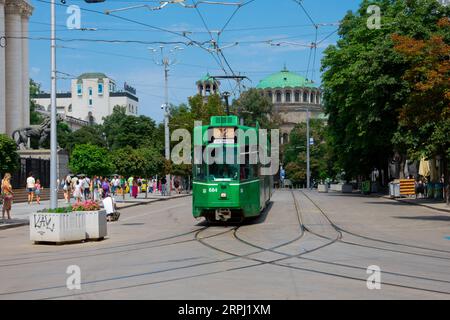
x: 336, y: 187
x: 347, y: 188
x: 96, y: 225
x: 57, y: 227
x: 322, y: 188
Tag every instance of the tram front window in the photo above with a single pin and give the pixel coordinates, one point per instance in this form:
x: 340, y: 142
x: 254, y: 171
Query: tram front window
x: 223, y: 171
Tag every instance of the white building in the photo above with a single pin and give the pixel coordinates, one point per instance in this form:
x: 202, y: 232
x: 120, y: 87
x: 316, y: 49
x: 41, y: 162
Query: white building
x: 93, y: 96
x: 14, y: 75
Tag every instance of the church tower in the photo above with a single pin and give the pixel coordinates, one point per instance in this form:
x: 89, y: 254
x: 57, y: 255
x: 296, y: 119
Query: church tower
x: 208, y: 86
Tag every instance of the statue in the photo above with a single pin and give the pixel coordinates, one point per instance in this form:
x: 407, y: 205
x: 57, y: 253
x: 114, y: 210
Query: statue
x: 41, y: 131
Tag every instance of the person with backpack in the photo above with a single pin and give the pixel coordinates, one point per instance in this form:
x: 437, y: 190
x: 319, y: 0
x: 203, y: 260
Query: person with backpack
x: 86, y: 185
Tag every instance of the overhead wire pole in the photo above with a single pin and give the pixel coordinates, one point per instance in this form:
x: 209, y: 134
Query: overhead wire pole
x: 166, y: 63
x: 53, y: 131
x: 313, y: 47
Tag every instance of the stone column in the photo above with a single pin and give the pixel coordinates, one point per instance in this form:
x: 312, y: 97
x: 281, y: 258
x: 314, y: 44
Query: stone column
x: 13, y: 67
x: 26, y: 13
x: 2, y: 69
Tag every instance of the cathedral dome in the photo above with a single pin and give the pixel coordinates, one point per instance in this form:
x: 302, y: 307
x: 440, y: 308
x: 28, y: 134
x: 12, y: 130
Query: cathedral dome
x: 285, y: 79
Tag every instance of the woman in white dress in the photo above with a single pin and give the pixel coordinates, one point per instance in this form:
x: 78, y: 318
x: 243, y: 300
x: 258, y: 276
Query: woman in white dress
x: 77, y: 192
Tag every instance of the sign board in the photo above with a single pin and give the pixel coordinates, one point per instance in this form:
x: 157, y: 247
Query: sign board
x: 224, y: 135
x: 407, y: 187
x: 129, y: 89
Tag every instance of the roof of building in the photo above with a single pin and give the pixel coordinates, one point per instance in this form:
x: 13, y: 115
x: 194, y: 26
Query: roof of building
x: 92, y: 75
x: 285, y: 79
x: 207, y: 79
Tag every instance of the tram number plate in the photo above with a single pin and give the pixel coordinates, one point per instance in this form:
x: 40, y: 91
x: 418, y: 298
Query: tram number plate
x: 212, y: 190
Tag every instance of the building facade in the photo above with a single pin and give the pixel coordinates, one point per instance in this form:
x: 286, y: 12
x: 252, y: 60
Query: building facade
x: 93, y: 96
x: 292, y: 95
x: 14, y: 65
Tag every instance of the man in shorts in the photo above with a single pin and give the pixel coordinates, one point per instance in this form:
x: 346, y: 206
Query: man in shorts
x: 31, y: 184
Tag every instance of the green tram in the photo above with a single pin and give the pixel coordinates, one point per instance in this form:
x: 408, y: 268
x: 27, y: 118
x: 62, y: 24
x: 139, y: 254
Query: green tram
x: 231, y: 191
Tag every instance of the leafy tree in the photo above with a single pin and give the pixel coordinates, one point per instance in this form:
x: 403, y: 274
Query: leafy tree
x: 154, y: 161
x: 85, y: 135
x: 253, y: 107
x: 363, y: 81
x: 129, y: 162
x: 202, y: 111
x: 424, y: 126
x: 295, y: 153
x: 35, y: 89
x: 91, y: 160
x: 9, y: 158
x: 123, y: 130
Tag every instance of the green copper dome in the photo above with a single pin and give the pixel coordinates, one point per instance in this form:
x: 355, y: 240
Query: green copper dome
x: 285, y: 79
x: 207, y: 79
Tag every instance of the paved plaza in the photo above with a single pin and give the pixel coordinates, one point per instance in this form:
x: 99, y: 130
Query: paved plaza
x: 306, y: 246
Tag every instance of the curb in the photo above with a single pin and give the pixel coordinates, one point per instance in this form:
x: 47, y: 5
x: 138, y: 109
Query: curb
x: 418, y: 204
x: 154, y: 200
x: 26, y: 223
x: 14, y: 225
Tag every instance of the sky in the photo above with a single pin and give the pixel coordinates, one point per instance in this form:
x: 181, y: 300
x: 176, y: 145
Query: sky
x: 259, y: 39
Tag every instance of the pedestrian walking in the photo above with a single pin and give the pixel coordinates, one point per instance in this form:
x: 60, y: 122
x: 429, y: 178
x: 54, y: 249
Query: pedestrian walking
x: 135, y: 189
x: 87, y: 188
x: 123, y: 185
x: 7, y: 195
x: 66, y: 188
x: 37, y: 191
x: 163, y: 186
x: 30, y: 187
x: 130, y: 184
x: 105, y: 188
x: 77, y: 194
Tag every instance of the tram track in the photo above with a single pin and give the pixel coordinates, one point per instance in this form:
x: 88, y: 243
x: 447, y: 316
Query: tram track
x: 256, y: 262
x: 277, y: 262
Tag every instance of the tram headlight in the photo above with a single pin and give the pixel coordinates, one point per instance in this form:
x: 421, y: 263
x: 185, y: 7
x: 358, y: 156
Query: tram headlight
x: 223, y: 195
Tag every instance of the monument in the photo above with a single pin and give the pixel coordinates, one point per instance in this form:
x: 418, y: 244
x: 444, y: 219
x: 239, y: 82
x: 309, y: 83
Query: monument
x: 37, y: 160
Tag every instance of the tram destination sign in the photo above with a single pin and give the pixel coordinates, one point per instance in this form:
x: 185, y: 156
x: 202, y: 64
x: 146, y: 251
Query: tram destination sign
x: 224, y: 135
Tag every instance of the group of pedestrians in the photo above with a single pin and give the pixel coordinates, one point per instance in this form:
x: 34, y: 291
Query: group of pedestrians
x: 83, y: 188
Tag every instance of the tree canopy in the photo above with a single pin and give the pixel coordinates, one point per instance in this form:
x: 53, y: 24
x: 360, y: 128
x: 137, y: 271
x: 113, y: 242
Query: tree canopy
x: 363, y: 81
x: 90, y: 160
x: 295, y: 153
x: 9, y: 158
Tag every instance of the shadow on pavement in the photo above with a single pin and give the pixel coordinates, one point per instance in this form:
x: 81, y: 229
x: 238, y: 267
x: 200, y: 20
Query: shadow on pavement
x: 429, y: 218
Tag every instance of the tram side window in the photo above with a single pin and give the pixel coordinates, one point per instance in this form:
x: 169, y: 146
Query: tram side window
x: 200, y: 172
x: 248, y: 171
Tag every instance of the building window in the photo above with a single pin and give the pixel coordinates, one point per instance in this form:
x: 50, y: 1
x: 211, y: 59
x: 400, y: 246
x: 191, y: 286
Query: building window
x: 313, y: 97
x: 90, y: 102
x: 100, y: 89
x: 270, y: 96
x: 318, y: 98
x: 288, y: 96
x: 79, y: 89
x: 297, y: 96
x: 278, y: 96
x: 70, y: 108
x: 305, y: 97
x: 90, y: 91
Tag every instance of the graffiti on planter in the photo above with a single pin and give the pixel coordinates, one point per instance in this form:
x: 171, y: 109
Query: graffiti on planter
x: 43, y: 223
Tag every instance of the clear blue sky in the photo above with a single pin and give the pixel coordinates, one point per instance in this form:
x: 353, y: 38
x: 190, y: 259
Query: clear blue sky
x: 132, y: 62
